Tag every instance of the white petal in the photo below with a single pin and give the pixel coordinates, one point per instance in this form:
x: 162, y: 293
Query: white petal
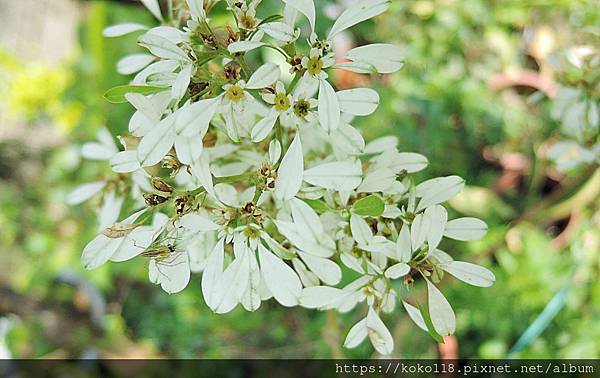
x: 470, y: 273
x: 442, y: 315
x: 306, y: 7
x: 280, y: 278
x: 382, y: 144
x: 275, y: 151
x: 153, y: 7
x: 227, y: 194
x: 243, y: 46
x: 438, y: 216
x: 196, y: 8
x: 144, y: 104
x: 279, y: 30
x: 173, y: 273
x: 202, y: 174
x: 415, y: 315
x: 212, y: 274
x: 397, y: 270
x: 289, y: 15
x: 109, y: 212
x: 156, y: 144
x: 193, y: 119
x: 465, y: 229
x: 327, y: 271
x: 419, y: 230
x: 438, y: 190
x: 135, y: 243
x: 339, y: 175
x: 251, y: 298
x: 329, y: 108
x: 196, y: 222
x: 182, y: 82
x: 358, y: 101
x: 98, y: 251
x: 304, y: 240
x: 122, y: 29
x: 356, y: 13
x: 162, y: 47
x: 97, y: 151
x: 377, y: 57
x: 319, y: 296
x: 357, y: 334
x: 188, y: 148
x: 265, y: 76
x: 125, y: 162
x: 134, y: 63
x: 170, y: 33
x: 289, y: 174
x: 84, y: 192
x: 377, y: 181
x: 306, y: 219
x: 361, y: 232
x: 410, y: 162
x: 380, y: 336
x: 263, y: 127
x: 356, y: 67
x: 160, y: 67
x: 233, y: 284
x: 403, y: 245
x: 348, y: 139
x: 140, y: 124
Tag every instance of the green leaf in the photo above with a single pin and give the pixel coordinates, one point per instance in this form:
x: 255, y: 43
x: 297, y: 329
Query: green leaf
x: 432, y: 332
x: 319, y: 206
x: 369, y: 206
x: 117, y: 94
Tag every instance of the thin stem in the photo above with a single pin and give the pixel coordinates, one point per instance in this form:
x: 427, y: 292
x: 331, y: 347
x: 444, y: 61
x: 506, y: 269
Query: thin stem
x: 170, y: 10
x: 279, y: 50
x: 279, y: 135
x: 245, y: 69
x: 294, y: 82
x: 234, y: 178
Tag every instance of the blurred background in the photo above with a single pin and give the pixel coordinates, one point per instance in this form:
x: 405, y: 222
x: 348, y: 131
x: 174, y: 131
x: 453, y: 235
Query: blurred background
x: 486, y: 93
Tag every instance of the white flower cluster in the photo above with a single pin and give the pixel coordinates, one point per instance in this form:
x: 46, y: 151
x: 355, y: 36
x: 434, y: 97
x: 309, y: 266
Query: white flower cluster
x: 262, y: 184
x: 577, y: 108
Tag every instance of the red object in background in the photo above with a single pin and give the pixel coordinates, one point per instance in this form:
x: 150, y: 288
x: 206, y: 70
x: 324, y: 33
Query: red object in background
x: 449, y: 349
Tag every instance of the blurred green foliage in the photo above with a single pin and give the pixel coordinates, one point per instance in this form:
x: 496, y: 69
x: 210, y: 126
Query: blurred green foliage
x: 544, y: 233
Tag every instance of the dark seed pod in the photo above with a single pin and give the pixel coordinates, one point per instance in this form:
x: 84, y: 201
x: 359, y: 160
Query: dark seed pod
x: 154, y: 199
x: 182, y: 205
x: 210, y: 139
x: 161, y: 185
x: 196, y: 88
x: 232, y: 72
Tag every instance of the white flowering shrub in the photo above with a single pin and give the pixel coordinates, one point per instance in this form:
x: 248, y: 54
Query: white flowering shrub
x: 263, y: 185
x: 577, y: 108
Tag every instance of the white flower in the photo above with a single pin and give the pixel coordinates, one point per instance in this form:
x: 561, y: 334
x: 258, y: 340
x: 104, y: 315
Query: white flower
x: 282, y: 107
x: 260, y: 199
x: 315, y: 64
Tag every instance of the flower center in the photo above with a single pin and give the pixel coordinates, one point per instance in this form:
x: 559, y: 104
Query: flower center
x: 301, y: 108
x: 248, y: 22
x: 234, y: 93
x: 282, y: 102
x: 315, y: 65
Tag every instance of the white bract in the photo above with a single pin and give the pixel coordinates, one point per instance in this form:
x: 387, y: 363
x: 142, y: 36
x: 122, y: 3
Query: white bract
x: 264, y: 186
